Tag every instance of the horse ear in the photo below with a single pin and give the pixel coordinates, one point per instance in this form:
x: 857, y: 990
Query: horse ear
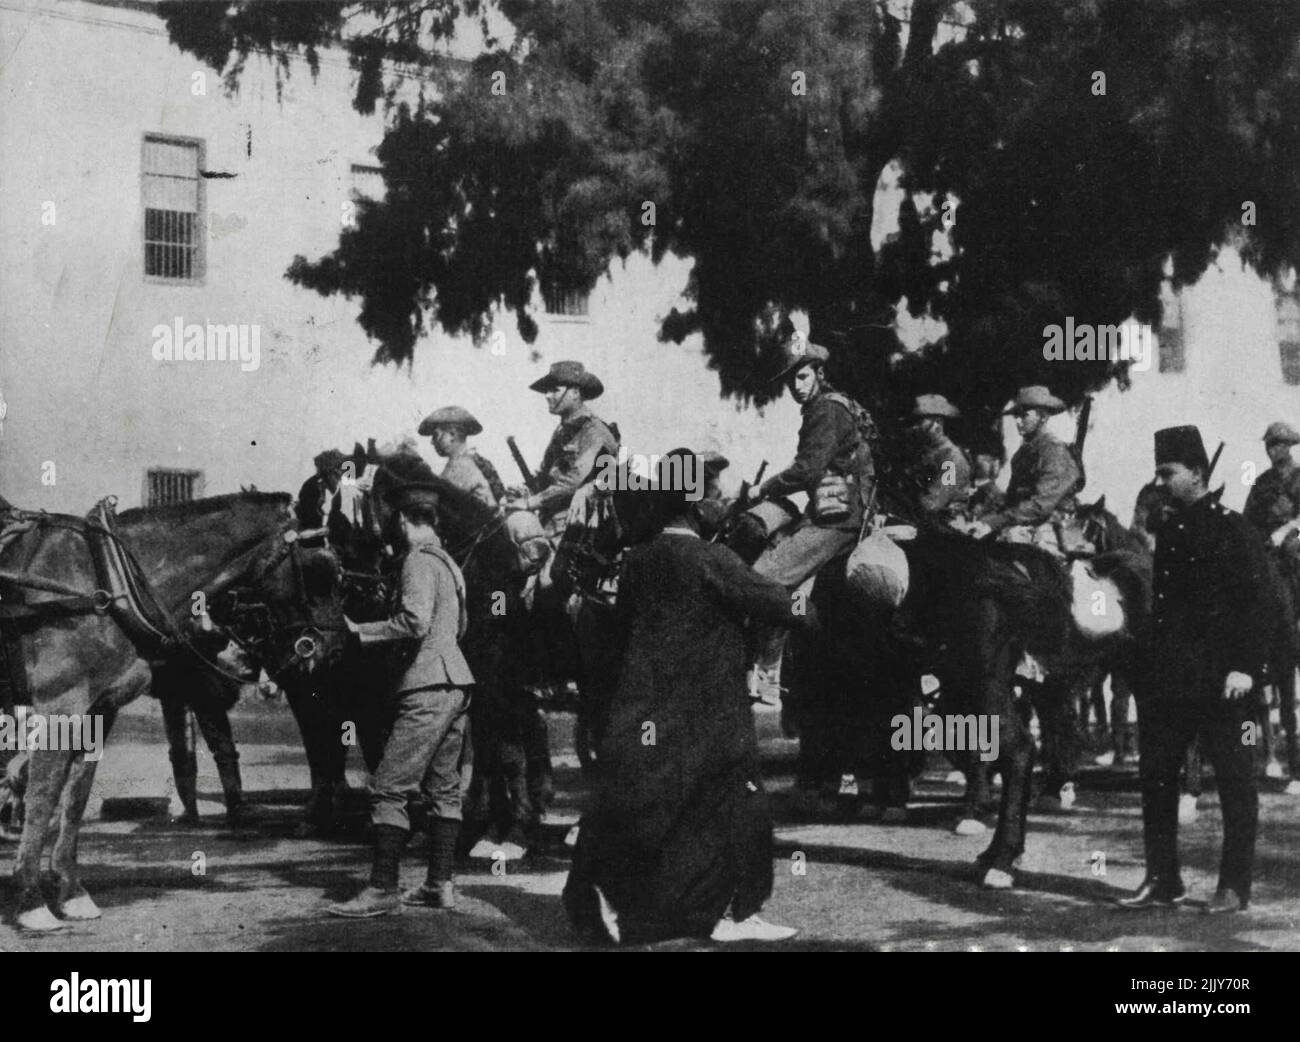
x: 1101, y: 502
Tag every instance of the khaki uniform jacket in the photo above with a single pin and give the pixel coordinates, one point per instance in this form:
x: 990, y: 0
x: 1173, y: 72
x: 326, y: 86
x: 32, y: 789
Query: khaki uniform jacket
x: 570, y: 459
x: 427, y: 608
x: 1274, y: 499
x: 1043, y: 476
x: 463, y: 472
x: 944, y: 479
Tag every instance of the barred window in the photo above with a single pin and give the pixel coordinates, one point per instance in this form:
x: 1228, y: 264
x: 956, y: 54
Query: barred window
x: 166, y: 485
x: 173, y: 208
x: 565, y: 302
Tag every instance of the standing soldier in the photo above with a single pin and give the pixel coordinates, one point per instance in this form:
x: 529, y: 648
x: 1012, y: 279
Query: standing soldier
x: 834, y: 466
x: 428, y: 709
x: 1207, y: 646
x: 578, y: 442
x: 943, y: 474
x: 449, y: 430
x: 1044, y: 475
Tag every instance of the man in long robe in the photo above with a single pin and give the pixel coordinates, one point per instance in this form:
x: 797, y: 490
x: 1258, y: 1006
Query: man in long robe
x: 679, y: 842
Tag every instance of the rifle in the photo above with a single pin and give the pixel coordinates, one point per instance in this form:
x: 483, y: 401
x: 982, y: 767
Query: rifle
x: 1080, y: 437
x: 742, y: 503
x: 1214, y: 462
x: 530, y: 482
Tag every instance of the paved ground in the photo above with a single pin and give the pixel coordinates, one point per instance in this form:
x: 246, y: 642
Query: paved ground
x: 866, y: 886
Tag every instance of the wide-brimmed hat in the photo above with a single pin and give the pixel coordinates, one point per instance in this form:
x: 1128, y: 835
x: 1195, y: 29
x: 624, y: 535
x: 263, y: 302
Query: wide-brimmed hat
x: 570, y: 374
x: 451, y: 416
x: 714, y: 462
x: 1035, y: 397
x: 330, y: 459
x: 1181, y: 445
x: 798, y: 352
x: 934, y: 405
x: 413, y: 494
x: 1281, y: 432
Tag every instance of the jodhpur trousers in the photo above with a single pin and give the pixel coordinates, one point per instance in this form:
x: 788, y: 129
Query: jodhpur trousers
x: 423, y: 757
x: 792, y: 562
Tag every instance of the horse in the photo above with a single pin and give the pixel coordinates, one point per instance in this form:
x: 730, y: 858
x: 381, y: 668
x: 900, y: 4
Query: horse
x: 87, y: 650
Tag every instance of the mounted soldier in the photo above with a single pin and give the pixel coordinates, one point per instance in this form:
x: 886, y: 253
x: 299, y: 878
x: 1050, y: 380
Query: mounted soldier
x: 1044, y: 476
x: 449, y: 430
x: 943, y: 473
x: 1273, y: 505
x: 834, y: 466
x: 578, y: 442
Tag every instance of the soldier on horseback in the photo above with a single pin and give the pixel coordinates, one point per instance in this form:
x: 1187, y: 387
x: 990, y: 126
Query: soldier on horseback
x: 1044, y: 476
x: 578, y: 442
x: 449, y: 430
x: 834, y: 466
x: 943, y: 473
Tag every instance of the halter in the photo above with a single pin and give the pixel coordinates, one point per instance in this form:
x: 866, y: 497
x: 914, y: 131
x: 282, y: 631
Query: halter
x: 169, y: 635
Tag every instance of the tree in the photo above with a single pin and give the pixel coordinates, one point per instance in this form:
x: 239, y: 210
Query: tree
x: 1087, y: 143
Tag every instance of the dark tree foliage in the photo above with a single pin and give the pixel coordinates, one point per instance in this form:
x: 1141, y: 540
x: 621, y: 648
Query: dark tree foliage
x: 1071, y: 201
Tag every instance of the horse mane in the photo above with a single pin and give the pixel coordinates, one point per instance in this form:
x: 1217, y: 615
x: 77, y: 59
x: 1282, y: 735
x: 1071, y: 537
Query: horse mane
x: 202, y: 507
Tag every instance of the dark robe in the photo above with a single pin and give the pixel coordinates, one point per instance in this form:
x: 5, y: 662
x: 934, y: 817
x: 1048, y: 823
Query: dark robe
x: 680, y: 831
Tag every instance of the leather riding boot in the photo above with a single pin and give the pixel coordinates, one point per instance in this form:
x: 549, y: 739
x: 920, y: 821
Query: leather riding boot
x: 233, y: 789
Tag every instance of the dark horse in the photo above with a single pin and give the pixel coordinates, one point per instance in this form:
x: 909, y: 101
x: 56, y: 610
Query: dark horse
x: 82, y: 666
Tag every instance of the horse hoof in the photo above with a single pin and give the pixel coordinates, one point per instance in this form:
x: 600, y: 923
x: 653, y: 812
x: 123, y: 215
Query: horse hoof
x: 1274, y: 770
x: 1187, y: 810
x: 80, y: 907
x: 970, y: 827
x: 996, y: 879
x: 955, y: 778
x: 39, y: 920
x: 1292, y: 789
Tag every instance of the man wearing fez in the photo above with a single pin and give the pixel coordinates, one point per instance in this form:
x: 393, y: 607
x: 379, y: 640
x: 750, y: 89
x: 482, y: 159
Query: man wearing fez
x: 578, y: 442
x: 1206, y: 647
x: 428, y: 707
x: 449, y: 430
x: 943, y: 474
x: 1044, y: 474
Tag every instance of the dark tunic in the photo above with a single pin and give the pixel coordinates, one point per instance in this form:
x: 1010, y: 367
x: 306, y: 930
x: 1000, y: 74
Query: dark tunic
x: 1211, y: 606
x: 1043, y: 476
x: 680, y: 829
x: 1274, y: 499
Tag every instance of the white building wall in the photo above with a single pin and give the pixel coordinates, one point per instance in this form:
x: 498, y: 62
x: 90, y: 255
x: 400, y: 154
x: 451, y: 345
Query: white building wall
x: 80, y: 86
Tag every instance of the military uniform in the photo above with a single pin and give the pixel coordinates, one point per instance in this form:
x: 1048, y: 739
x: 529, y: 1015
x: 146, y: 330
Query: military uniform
x: 1044, y: 476
x: 944, y: 480
x: 570, y: 457
x: 830, y: 443
x: 427, y: 708
x: 463, y: 471
x: 1209, y: 597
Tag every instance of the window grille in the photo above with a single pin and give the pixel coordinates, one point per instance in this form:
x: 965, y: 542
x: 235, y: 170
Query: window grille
x: 173, y: 209
x: 165, y: 486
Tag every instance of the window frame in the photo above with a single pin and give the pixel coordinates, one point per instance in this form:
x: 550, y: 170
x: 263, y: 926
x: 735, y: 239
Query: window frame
x: 196, y: 479
x: 200, y: 221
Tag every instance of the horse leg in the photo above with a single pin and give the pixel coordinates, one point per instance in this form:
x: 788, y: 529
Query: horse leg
x: 47, y: 773
x: 1015, y: 760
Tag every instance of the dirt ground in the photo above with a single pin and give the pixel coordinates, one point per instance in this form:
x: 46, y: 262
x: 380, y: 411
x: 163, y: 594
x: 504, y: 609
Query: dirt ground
x: 866, y: 886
